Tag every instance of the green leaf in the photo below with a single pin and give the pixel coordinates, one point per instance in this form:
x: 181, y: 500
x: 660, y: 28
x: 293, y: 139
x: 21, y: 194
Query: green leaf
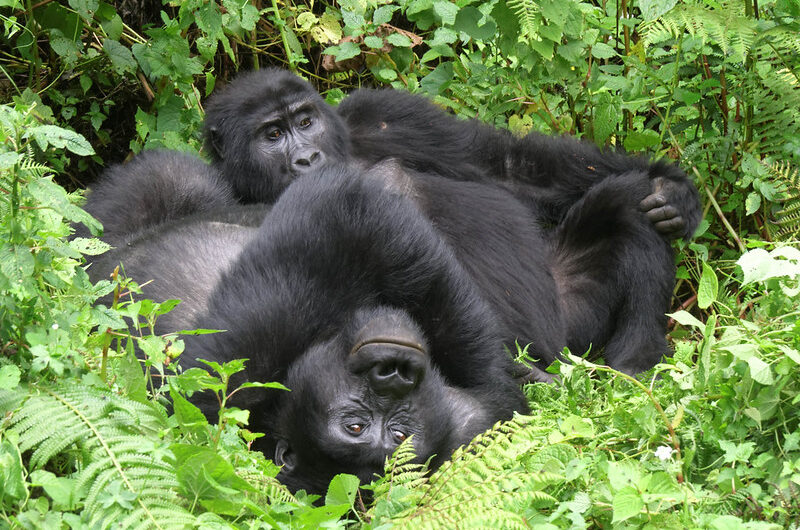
x: 467, y: 21
x: 46, y: 135
x: 373, y: 42
x: 685, y: 318
x: 251, y: 384
x: 760, y: 371
x: 205, y: 475
x: 399, y: 40
x: 343, y: 51
x: 188, y: 415
x: 9, y: 376
x: 708, y: 288
x: 383, y: 14
x: 236, y: 415
x: 736, y: 452
x: 89, y: 246
x: 85, y: 8
x: 121, y: 57
x: 752, y: 203
x: 627, y: 503
x: 446, y: 11
x: 623, y: 474
x: 60, y: 489
x: 601, y: 50
x: 7, y: 160
x: 12, y: 478
x: 342, y: 490
x: 652, y: 9
x: 641, y: 140
x: 440, y: 77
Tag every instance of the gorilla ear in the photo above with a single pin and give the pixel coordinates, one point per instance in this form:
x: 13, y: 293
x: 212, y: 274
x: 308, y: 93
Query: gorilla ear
x: 214, y: 141
x: 284, y: 456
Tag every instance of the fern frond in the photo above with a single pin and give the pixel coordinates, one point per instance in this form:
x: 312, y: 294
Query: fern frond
x: 483, y: 485
x: 270, y: 490
x: 110, y: 433
x: 526, y: 11
x: 734, y: 34
x: 787, y: 219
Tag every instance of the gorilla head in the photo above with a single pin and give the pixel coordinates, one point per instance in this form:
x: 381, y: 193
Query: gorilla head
x: 379, y: 387
x: 268, y: 128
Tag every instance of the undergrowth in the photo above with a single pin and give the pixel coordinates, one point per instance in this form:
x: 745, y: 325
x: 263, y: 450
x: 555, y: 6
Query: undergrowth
x: 708, y: 439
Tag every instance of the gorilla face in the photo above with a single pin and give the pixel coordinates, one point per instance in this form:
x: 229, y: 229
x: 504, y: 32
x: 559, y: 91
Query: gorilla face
x: 356, y: 397
x: 267, y: 129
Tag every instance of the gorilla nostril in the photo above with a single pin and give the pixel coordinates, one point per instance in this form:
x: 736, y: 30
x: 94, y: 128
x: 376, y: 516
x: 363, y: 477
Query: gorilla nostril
x: 396, y: 378
x: 306, y: 160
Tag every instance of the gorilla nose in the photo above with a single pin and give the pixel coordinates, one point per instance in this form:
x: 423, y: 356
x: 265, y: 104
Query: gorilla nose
x: 390, y: 353
x: 398, y: 374
x: 307, y: 160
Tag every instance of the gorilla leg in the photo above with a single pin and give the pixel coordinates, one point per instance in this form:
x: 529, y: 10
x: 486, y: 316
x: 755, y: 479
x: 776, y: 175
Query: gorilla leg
x: 615, y: 274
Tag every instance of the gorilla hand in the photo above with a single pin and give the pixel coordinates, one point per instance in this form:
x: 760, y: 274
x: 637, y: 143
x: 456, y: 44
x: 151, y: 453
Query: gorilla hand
x: 672, y: 207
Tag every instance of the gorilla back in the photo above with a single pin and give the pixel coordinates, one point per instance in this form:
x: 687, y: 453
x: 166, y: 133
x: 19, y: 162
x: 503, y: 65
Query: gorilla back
x: 349, y: 296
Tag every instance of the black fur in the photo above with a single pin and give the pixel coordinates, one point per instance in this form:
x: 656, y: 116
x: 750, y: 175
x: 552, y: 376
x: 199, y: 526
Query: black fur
x: 153, y: 188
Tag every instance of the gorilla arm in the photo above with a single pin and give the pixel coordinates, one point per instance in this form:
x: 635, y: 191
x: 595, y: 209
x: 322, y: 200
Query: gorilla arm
x: 549, y: 173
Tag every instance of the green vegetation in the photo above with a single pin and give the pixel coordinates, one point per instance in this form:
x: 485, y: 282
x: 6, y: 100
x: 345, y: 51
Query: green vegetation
x: 709, y: 439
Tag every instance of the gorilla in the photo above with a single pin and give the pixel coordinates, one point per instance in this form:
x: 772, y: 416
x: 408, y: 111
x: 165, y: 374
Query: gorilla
x: 268, y: 126
x: 348, y: 295
x: 360, y: 298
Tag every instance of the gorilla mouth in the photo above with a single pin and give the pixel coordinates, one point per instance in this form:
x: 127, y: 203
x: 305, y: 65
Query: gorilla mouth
x: 390, y: 341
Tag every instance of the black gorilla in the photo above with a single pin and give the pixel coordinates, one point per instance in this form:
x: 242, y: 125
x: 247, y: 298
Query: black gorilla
x: 268, y: 126
x: 255, y: 131
x: 351, y: 298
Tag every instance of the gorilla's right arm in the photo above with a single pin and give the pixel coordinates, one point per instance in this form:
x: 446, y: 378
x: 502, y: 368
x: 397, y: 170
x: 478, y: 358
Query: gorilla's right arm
x: 550, y: 173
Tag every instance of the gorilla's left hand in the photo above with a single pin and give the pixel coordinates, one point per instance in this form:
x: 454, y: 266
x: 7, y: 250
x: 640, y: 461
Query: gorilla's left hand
x: 673, y: 207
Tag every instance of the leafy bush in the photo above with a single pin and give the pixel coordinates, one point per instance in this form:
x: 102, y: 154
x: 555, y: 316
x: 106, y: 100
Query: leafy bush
x: 708, y: 439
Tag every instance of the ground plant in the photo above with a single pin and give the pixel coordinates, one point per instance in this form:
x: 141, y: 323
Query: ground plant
x: 709, y: 438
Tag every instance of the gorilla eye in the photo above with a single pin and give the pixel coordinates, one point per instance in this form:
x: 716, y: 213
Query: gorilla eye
x: 305, y: 122
x: 273, y: 134
x: 399, y: 435
x: 355, y: 428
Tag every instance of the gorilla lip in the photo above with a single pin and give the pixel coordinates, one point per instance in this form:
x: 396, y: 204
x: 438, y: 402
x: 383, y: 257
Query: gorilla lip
x: 389, y: 341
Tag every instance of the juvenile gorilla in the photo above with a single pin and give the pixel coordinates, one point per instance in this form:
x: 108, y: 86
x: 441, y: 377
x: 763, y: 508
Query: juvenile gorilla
x: 350, y: 297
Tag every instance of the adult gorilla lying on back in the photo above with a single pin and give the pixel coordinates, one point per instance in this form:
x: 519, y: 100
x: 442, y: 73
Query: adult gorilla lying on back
x: 350, y: 297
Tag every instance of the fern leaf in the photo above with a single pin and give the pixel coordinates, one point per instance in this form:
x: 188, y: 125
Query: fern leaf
x: 108, y: 430
x: 527, y: 14
x: 787, y: 218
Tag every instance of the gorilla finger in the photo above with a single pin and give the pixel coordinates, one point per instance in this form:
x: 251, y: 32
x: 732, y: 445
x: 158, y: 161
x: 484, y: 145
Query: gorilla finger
x: 663, y: 213
x: 654, y: 200
x: 672, y: 226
